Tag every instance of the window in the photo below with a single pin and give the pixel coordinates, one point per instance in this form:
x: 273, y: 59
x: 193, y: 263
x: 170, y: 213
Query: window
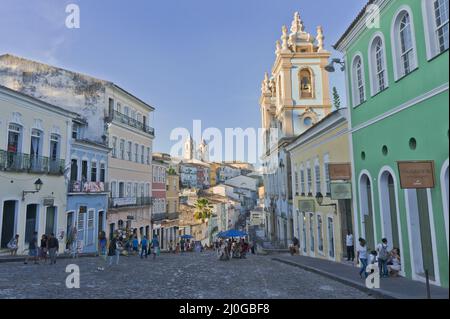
x: 36, y: 149
x: 309, y: 176
x: 326, y: 169
x: 114, y: 147
x: 306, y: 83
x: 148, y: 155
x: 54, y: 147
x: 318, y: 177
x: 296, y: 184
x: 302, y: 180
x: 93, y: 171
x: 126, y: 111
x: 14, y: 138
x: 319, y: 233
x: 403, y: 44
x: 122, y: 149
x: 142, y: 154
x: 378, y: 65
x: 311, y: 233
x: 113, y: 189
x: 102, y: 172
x: 74, y: 170
x: 441, y: 20
x: 436, y: 26
x: 129, y: 190
x: 84, y: 170
x: 359, y: 94
x: 75, y: 129
x: 136, y: 153
x: 129, y: 151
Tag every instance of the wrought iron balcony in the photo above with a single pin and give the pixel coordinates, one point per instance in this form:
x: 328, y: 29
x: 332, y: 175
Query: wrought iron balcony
x: 20, y: 162
x: 125, y: 119
x: 160, y: 217
x: 119, y: 202
x: 173, y: 216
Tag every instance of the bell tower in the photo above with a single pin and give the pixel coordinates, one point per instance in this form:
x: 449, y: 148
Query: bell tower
x: 297, y: 94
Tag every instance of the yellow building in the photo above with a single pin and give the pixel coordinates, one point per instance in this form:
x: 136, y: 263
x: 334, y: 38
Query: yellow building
x: 320, y: 222
x: 213, y: 173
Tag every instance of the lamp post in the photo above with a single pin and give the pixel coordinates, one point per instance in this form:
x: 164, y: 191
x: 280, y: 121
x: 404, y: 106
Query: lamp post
x: 319, y: 199
x: 330, y: 67
x: 37, y: 185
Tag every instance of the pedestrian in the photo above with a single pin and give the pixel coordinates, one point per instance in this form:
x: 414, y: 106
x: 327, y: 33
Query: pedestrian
x: 112, y: 250
x: 135, y: 244
x: 182, y: 244
x: 383, y: 256
x: 33, y: 249
x: 350, y: 246
x: 43, y: 250
x: 295, y: 244
x: 102, y: 243
x: 119, y: 248
x: 177, y: 249
x: 171, y: 247
x: 362, y: 257
x: 53, y: 246
x: 73, y: 242
x: 144, y: 247
x: 394, y: 265
x: 13, y: 245
x: 155, y: 246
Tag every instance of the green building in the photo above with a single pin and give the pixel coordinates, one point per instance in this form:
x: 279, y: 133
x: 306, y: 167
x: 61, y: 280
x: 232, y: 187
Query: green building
x: 396, y: 61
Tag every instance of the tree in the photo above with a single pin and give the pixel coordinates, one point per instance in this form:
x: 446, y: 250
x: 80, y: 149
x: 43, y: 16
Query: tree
x: 203, y: 210
x: 336, y: 98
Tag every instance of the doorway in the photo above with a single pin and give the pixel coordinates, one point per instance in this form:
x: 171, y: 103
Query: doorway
x: 8, y: 222
x: 366, y: 199
x: 31, y: 222
x: 345, y: 211
x: 388, y: 201
x: 50, y: 220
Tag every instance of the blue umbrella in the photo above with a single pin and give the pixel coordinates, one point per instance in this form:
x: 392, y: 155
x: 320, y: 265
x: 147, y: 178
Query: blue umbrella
x: 232, y: 233
x: 186, y: 236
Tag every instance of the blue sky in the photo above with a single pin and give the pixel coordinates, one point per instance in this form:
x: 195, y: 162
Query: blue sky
x: 190, y: 59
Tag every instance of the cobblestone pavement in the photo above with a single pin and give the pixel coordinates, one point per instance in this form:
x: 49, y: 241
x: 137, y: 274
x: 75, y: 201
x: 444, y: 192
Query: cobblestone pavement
x: 187, y: 276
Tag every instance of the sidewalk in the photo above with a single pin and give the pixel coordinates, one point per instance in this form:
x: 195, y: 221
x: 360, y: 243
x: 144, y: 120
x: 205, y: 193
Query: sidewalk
x: 391, y: 288
x: 21, y: 258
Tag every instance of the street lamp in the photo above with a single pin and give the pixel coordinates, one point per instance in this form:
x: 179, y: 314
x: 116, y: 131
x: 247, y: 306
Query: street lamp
x: 330, y: 67
x: 37, y: 185
x: 319, y: 199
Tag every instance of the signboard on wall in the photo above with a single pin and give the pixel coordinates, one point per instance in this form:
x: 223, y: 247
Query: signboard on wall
x: 341, y: 190
x: 341, y: 171
x: 306, y: 205
x: 416, y: 174
x: 49, y: 202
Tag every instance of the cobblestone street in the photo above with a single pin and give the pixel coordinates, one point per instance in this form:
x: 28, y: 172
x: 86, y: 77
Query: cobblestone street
x: 188, y: 276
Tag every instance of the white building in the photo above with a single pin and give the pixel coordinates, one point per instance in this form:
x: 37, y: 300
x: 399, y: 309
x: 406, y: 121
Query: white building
x: 34, y: 149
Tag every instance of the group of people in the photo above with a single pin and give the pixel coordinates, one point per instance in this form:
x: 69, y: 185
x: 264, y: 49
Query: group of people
x: 37, y: 251
x: 389, y: 262
x: 232, y: 248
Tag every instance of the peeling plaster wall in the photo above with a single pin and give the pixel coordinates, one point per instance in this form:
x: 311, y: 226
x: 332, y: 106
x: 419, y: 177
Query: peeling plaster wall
x: 69, y: 90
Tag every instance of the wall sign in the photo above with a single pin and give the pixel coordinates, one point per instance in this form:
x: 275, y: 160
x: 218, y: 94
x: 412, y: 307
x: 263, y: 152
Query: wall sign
x: 306, y: 205
x: 342, y: 171
x: 342, y: 190
x: 416, y: 174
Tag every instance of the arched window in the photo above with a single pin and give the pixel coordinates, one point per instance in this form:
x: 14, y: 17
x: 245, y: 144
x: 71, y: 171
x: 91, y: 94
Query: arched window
x: 405, y: 58
x: 306, y: 84
x: 378, y: 74
x: 359, y: 87
x: 435, y: 14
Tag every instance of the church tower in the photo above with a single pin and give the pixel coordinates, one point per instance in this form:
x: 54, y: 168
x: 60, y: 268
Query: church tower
x: 203, y: 151
x: 189, y: 149
x: 296, y: 95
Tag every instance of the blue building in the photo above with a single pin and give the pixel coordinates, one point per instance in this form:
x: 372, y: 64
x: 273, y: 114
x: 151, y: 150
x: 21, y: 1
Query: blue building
x: 87, y: 197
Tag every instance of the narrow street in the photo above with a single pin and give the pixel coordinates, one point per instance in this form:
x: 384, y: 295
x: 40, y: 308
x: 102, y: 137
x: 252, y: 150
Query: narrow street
x: 188, y: 276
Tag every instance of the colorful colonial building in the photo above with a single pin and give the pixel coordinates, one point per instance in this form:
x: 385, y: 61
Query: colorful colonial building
x: 322, y: 217
x: 293, y: 98
x: 397, y: 76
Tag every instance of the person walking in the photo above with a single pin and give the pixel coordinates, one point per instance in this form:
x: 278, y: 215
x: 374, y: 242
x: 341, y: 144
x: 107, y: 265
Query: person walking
x: 33, y: 249
x: 383, y: 256
x: 362, y: 257
x: 112, y: 251
x: 182, y: 243
x: 135, y: 243
x: 144, y: 247
x: 53, y: 246
x: 13, y: 245
x: 155, y: 246
x: 350, y: 246
x: 102, y: 243
x: 43, y: 250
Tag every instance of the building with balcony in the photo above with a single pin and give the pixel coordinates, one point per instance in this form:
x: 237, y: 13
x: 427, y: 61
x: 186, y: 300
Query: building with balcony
x: 116, y: 118
x: 34, y: 156
x: 87, y: 196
